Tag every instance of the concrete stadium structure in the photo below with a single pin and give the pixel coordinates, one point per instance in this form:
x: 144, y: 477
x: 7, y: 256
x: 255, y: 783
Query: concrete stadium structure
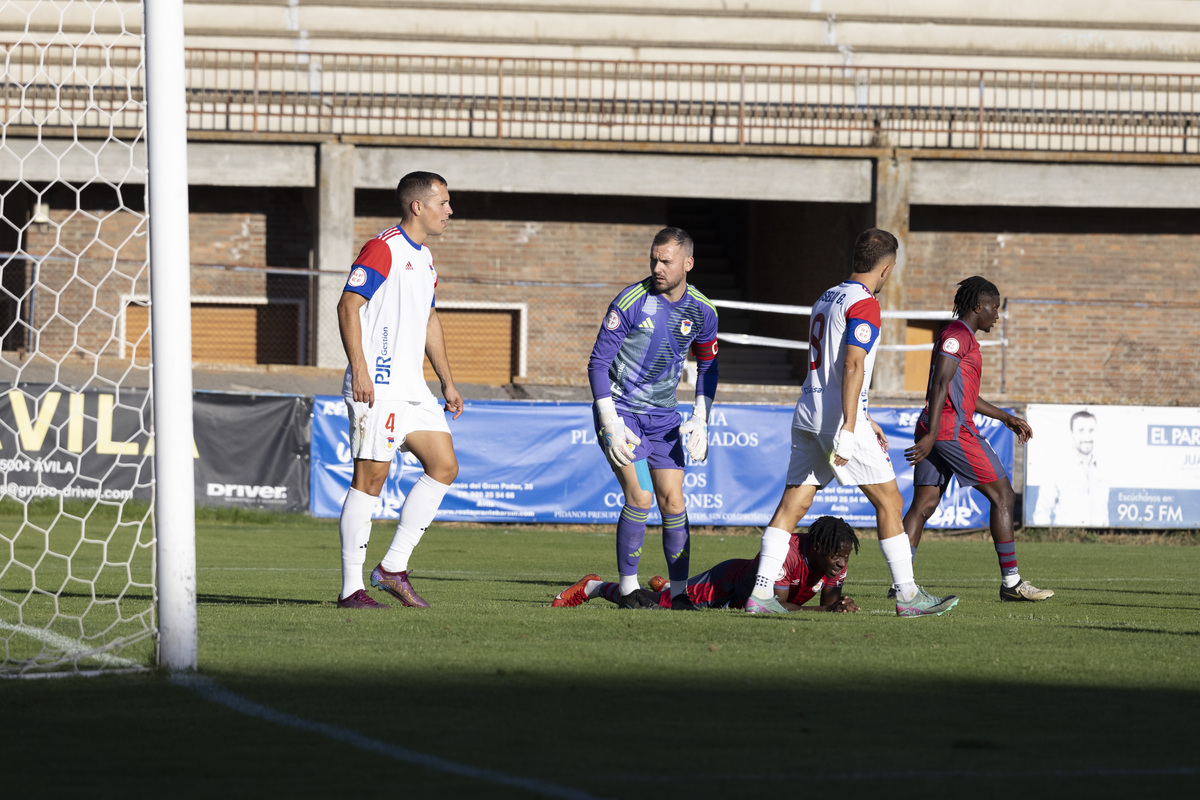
x: 1051, y: 147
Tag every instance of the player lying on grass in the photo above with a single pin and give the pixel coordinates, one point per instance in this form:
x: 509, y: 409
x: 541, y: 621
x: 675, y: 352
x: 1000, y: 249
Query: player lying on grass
x: 816, y: 562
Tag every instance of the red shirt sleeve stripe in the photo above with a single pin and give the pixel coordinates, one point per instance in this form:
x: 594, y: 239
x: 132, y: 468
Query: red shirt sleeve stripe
x: 866, y: 310
x: 375, y: 255
x: 705, y: 351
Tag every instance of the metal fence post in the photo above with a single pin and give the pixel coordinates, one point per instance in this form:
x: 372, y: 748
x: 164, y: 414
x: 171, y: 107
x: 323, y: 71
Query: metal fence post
x: 500, y: 101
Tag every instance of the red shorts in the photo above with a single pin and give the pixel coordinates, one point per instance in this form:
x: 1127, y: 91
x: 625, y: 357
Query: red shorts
x: 970, y: 457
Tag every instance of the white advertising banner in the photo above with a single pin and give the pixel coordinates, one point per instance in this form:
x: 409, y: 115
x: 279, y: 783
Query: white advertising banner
x: 1112, y: 467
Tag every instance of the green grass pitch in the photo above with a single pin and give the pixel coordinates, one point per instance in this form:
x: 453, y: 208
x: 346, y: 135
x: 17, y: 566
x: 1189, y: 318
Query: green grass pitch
x: 1094, y: 693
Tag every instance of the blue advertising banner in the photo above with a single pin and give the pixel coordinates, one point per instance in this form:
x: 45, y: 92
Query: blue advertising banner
x: 538, y: 462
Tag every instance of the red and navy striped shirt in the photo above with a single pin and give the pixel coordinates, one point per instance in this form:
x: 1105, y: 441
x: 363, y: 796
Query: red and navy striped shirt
x: 956, y: 341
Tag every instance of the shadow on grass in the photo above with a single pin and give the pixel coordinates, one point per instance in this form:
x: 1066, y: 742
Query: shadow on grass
x: 19, y: 592
x: 895, y: 736
x: 1133, y: 629
x: 557, y: 586
x: 245, y: 600
x: 1137, y: 605
x: 1135, y: 592
x: 424, y: 577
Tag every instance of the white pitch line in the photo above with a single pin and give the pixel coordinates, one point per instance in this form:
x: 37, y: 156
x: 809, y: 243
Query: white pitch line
x: 213, y: 691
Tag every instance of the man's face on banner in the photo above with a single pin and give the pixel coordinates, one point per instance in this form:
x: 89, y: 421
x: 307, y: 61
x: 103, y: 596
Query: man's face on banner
x: 1083, y: 431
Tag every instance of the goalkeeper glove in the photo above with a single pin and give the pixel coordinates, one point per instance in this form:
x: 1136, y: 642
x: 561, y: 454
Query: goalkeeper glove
x: 694, y: 432
x: 843, y: 444
x: 618, y: 443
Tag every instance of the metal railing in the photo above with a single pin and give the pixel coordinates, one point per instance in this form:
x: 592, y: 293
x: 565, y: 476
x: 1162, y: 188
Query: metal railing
x: 805, y: 311
x: 268, y: 92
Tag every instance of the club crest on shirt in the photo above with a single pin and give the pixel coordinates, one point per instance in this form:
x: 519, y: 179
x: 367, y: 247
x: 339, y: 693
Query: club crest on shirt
x: 863, y: 332
x: 685, y: 327
x: 950, y: 346
x: 357, y: 277
x: 612, y: 320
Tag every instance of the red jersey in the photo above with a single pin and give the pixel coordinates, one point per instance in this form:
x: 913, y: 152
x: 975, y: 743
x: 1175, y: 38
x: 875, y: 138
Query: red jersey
x: 801, y: 575
x: 730, y: 582
x: 958, y: 342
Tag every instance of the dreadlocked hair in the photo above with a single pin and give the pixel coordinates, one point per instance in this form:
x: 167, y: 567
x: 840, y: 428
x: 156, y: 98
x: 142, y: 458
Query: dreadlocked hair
x: 969, y: 292
x: 829, y: 535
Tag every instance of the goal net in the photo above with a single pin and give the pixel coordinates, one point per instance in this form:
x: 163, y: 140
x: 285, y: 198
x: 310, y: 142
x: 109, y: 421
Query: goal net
x: 77, y: 539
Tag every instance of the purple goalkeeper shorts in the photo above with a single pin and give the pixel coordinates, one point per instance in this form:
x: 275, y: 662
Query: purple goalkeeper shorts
x: 661, y: 446
x: 658, y: 428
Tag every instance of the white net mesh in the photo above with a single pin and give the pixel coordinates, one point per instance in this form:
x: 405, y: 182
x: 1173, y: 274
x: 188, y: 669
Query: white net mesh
x: 76, y: 534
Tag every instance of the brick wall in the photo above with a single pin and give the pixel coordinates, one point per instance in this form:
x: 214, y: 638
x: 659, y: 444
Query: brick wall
x: 95, y: 247
x: 572, y: 242
x: 248, y: 228
x: 94, y: 250
x: 1102, y: 304
x: 1093, y: 317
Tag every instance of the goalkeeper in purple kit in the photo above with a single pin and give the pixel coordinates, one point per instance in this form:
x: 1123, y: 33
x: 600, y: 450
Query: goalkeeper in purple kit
x: 634, y: 371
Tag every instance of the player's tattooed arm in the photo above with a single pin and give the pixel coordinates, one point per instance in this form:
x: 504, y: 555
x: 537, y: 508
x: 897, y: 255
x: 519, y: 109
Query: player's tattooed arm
x: 1014, y: 423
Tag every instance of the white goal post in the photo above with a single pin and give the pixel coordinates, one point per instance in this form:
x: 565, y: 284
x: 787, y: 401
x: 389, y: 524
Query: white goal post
x: 97, y: 518
x: 171, y: 343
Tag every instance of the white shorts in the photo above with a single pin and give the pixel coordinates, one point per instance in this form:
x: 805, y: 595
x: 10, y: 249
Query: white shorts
x: 811, y: 462
x: 377, y: 433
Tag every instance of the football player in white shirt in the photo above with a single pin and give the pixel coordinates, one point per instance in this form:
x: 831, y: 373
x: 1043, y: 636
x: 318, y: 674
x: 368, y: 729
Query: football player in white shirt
x: 834, y: 436
x: 388, y: 325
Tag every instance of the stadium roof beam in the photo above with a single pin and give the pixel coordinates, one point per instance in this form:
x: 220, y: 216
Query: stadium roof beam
x: 819, y: 180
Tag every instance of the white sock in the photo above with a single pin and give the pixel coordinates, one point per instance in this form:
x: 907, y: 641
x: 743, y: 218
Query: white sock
x: 418, y: 510
x: 354, y: 529
x: 592, y: 589
x: 629, y: 583
x: 897, y: 552
x: 771, y: 554
x: 914, y: 558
